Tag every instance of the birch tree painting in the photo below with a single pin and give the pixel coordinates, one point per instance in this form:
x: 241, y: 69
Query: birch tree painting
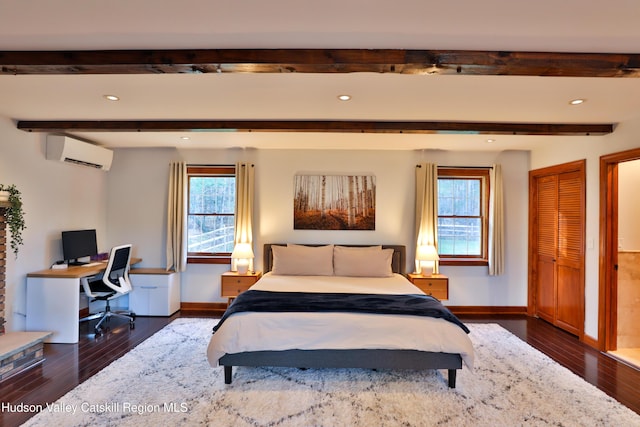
x: 332, y: 202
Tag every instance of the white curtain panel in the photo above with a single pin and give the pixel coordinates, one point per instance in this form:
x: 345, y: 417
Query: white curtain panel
x: 427, y: 208
x: 177, y: 217
x: 244, y: 207
x: 496, y: 222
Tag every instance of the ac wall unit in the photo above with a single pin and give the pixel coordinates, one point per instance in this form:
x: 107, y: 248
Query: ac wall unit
x: 66, y: 149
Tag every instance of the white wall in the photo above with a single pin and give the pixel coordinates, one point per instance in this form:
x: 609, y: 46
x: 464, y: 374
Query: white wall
x: 628, y: 206
x: 144, y: 195
x: 472, y: 285
x: 137, y: 202
x: 128, y: 203
x: 56, y: 196
x: 591, y: 148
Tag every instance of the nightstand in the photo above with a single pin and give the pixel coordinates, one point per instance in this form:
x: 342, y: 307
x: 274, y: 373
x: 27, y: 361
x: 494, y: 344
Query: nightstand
x: 436, y: 285
x: 233, y: 283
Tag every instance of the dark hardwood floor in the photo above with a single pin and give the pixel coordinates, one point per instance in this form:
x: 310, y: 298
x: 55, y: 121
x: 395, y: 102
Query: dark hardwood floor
x: 67, y: 365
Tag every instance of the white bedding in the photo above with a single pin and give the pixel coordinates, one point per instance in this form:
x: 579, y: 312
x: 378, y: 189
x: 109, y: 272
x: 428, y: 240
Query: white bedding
x: 253, y: 331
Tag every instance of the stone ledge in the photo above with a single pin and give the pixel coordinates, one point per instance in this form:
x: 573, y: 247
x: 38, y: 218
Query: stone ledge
x: 20, y: 351
x: 14, y: 342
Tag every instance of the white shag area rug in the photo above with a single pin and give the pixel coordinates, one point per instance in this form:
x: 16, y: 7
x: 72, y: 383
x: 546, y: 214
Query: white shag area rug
x: 166, y: 381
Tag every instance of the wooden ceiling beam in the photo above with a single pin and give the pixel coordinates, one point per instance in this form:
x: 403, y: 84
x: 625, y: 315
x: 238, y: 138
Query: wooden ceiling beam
x: 194, y: 61
x: 337, y: 126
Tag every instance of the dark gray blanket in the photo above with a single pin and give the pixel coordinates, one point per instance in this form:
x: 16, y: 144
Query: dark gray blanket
x: 266, y: 301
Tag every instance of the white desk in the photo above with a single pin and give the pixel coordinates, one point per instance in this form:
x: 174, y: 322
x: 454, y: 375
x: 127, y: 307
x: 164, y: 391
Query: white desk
x: 53, y: 301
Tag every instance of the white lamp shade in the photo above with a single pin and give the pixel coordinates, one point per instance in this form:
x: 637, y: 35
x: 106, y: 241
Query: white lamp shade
x: 242, y: 251
x: 427, y: 257
x: 427, y: 253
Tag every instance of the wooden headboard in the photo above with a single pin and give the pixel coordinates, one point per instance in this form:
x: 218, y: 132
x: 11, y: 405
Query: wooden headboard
x: 398, y: 262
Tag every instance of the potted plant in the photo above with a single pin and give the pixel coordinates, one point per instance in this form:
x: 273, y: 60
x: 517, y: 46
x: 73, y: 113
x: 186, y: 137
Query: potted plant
x: 14, y: 216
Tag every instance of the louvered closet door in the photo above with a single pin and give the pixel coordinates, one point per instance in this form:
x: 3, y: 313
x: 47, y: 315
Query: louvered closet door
x: 559, y: 253
x: 569, y: 270
x: 547, y: 237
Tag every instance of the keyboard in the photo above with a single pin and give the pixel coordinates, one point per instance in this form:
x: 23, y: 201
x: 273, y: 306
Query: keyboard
x: 91, y: 264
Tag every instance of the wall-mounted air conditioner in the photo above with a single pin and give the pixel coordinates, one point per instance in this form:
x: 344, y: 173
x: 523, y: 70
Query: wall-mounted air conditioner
x: 66, y: 149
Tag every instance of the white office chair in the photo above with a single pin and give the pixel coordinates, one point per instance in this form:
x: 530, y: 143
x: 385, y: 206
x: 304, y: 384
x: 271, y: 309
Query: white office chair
x: 114, y: 283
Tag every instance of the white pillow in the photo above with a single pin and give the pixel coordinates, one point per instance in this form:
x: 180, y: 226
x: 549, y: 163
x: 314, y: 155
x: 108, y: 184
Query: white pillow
x: 302, y: 260
x: 362, y: 262
x: 359, y: 248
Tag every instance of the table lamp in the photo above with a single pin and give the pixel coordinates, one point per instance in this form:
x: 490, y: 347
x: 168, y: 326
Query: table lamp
x: 427, y: 256
x: 242, y: 253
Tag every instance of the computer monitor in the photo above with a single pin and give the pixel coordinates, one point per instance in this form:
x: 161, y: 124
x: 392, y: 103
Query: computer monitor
x: 78, y: 244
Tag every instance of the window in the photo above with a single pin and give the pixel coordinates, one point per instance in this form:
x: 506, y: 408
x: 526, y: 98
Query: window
x: 211, y: 213
x: 463, y: 206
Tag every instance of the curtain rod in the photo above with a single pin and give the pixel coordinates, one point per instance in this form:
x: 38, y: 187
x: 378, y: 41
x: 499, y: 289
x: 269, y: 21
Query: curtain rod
x: 219, y: 166
x: 461, y: 167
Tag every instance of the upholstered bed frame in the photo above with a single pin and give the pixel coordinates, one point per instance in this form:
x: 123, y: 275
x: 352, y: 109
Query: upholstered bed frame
x: 398, y: 261
x: 368, y: 359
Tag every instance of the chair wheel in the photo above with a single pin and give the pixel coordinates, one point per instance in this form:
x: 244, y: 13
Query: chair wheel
x: 98, y: 331
x: 132, y: 325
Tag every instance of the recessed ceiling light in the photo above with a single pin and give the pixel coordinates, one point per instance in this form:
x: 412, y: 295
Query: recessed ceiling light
x: 577, y: 101
x: 344, y: 97
x: 111, y: 97
x: 490, y: 140
x: 185, y: 138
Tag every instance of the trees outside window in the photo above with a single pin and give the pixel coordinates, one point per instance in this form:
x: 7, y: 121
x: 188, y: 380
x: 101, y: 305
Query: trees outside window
x: 463, y: 204
x: 211, y: 212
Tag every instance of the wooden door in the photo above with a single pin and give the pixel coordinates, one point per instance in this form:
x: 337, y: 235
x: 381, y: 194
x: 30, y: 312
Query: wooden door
x: 570, y: 255
x: 547, y: 233
x: 557, y: 223
x: 608, y: 278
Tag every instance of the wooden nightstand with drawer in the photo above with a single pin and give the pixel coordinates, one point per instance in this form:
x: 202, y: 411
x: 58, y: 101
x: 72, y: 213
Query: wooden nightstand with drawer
x: 233, y: 283
x: 436, y: 285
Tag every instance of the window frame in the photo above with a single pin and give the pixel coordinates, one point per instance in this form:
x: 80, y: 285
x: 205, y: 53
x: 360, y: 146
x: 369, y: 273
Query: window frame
x: 205, y: 170
x: 482, y: 174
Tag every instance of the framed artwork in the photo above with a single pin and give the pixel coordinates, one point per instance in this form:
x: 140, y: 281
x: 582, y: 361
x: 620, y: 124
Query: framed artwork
x: 334, y: 202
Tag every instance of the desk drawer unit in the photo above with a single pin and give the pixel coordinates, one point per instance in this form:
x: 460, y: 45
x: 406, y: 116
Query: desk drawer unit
x: 436, y: 286
x: 156, y: 292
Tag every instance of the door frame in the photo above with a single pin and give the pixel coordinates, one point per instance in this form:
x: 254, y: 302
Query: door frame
x: 575, y: 166
x: 608, y: 275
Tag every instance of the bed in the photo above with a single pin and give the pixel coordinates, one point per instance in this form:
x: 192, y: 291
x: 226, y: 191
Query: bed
x: 253, y: 333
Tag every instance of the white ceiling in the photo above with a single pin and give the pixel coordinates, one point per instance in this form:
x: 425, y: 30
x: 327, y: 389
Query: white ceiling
x: 545, y: 25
